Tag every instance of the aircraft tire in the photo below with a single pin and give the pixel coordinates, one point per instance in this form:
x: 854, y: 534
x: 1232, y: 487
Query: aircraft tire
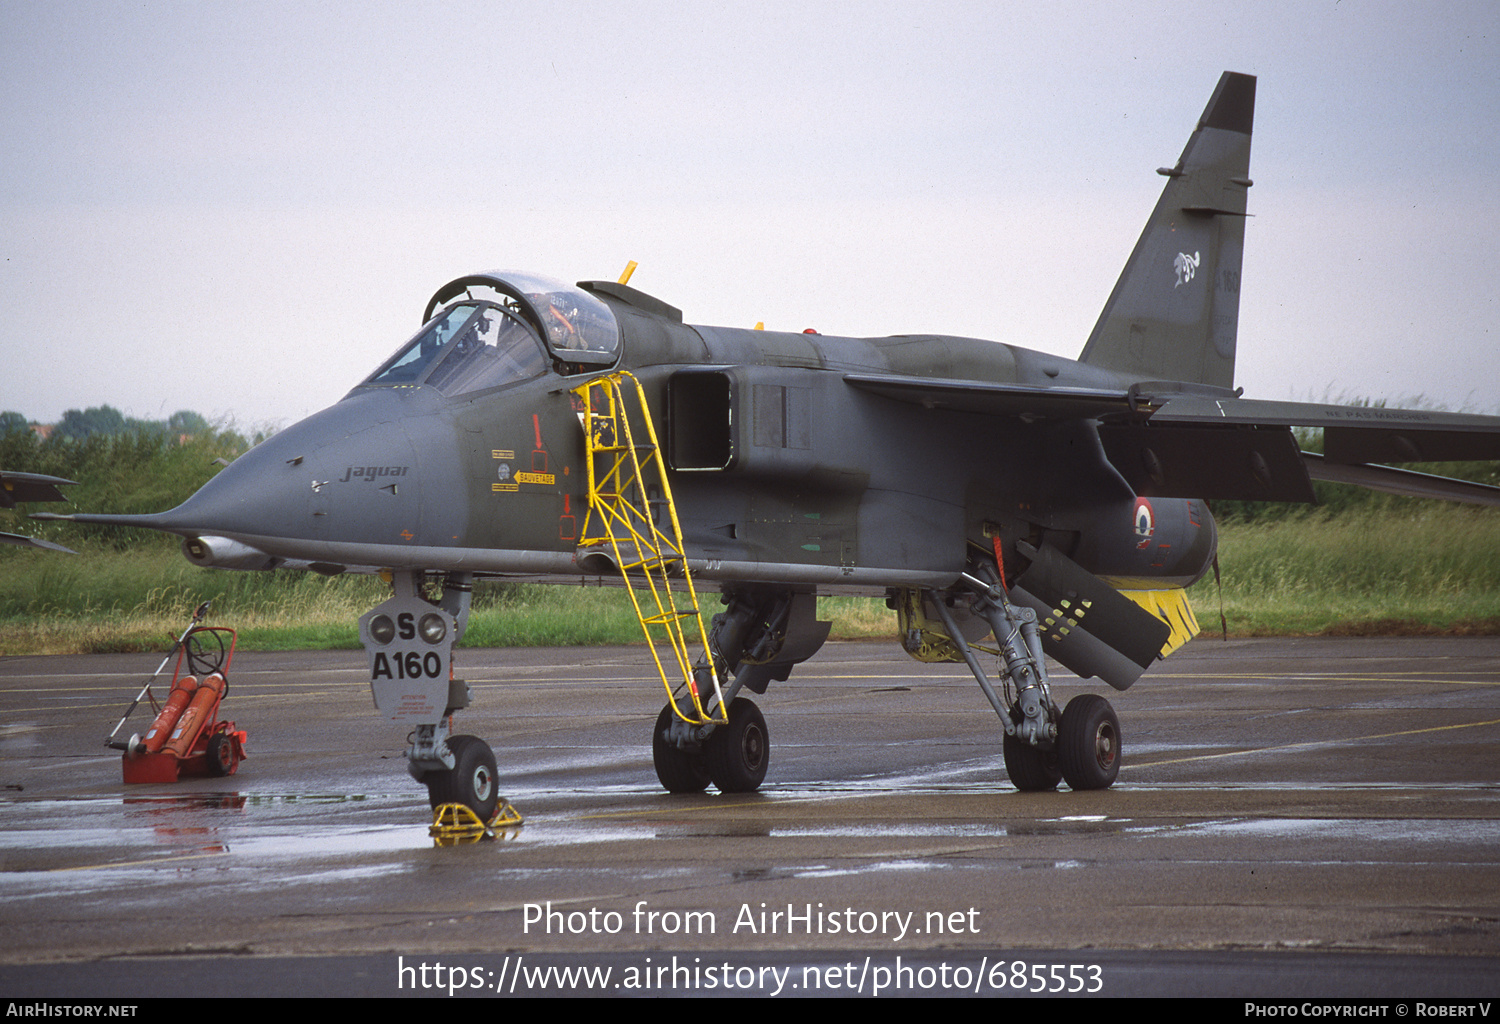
x: 677, y: 770
x: 1088, y: 743
x: 1030, y: 770
x: 737, y: 753
x: 472, y: 781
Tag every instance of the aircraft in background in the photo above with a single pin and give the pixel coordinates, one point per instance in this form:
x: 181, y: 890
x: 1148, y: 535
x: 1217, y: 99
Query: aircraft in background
x: 16, y: 488
x: 537, y: 430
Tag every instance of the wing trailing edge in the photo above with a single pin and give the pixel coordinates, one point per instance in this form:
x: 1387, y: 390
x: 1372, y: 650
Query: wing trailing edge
x: 1183, y: 440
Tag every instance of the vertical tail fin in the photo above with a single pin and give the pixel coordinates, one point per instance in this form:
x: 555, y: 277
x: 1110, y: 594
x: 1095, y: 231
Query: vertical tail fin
x: 1174, y: 312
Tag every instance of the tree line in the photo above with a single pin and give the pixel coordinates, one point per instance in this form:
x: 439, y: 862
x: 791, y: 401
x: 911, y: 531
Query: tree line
x: 106, y: 419
x: 119, y: 465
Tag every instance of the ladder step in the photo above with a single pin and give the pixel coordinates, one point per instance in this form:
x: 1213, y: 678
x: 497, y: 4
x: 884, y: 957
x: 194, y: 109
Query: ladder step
x: 672, y: 616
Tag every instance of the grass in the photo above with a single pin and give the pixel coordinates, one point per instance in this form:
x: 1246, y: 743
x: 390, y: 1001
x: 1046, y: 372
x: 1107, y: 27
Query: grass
x: 106, y: 600
x: 1418, y: 569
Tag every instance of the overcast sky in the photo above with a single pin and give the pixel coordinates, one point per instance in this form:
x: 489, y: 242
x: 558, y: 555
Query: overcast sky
x: 242, y: 208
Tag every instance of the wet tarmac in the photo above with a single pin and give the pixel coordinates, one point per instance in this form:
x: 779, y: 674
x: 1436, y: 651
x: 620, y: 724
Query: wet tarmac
x: 1331, y: 806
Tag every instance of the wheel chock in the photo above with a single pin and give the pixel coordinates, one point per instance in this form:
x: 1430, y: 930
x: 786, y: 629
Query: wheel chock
x: 457, y: 823
x: 506, y: 815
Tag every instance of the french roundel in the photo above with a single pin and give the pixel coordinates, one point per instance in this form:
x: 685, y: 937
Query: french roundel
x: 1145, y: 521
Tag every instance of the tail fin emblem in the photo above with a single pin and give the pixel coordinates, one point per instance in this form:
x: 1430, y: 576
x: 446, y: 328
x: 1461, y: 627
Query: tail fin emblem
x: 1185, y: 266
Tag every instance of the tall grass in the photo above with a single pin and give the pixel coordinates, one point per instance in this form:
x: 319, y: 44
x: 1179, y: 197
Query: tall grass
x: 105, y: 600
x: 1418, y: 568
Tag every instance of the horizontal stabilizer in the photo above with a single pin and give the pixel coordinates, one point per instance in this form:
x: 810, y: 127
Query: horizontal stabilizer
x: 1405, y: 482
x: 20, y: 540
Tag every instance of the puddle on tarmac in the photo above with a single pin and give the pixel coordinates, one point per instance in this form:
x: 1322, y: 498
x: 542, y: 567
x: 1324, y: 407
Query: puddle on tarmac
x: 141, y: 829
x: 1365, y: 830
x: 874, y: 867
x: 887, y: 829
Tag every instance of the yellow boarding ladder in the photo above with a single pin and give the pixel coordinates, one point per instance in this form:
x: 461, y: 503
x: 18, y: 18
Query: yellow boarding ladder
x: 621, y: 474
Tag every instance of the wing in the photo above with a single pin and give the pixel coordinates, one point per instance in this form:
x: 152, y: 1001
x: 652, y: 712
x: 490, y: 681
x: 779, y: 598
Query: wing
x: 1180, y: 440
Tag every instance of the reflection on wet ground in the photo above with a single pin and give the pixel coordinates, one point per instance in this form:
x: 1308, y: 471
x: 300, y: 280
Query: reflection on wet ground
x: 1370, y: 820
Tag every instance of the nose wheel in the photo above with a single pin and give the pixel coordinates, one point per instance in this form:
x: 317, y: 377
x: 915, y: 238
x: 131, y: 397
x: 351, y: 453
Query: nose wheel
x: 471, y: 781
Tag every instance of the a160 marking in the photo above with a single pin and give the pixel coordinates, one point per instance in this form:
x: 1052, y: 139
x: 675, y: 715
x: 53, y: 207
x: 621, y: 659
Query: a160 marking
x: 407, y: 665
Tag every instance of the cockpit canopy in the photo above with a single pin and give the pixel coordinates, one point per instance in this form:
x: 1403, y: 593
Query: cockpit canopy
x: 489, y: 330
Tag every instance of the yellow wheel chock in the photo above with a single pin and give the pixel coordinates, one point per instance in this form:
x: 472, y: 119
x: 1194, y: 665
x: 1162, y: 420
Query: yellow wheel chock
x: 457, y: 823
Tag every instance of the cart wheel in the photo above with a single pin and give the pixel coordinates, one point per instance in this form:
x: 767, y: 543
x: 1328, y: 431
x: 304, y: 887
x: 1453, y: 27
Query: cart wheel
x: 220, y: 754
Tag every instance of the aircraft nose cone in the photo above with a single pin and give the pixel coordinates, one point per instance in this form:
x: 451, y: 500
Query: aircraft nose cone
x: 347, y: 475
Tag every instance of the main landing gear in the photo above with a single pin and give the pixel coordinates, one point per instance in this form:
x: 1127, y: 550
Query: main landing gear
x: 759, y: 637
x: 1086, y: 751
x: 1079, y: 744
x: 734, y: 756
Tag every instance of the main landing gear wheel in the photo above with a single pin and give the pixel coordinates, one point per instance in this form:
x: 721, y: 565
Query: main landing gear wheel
x: 737, y: 753
x: 1031, y: 770
x: 1088, y: 743
x: 678, y: 770
x: 471, y: 782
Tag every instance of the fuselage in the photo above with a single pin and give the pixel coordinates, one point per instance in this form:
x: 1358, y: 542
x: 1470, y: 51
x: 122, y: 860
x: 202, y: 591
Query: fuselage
x: 464, y: 452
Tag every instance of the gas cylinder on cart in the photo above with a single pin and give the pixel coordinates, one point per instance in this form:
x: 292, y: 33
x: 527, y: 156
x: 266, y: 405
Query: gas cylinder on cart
x: 177, y: 702
x: 197, y: 714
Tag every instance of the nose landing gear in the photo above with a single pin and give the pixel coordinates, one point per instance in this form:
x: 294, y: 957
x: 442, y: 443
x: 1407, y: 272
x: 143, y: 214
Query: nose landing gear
x: 410, y: 639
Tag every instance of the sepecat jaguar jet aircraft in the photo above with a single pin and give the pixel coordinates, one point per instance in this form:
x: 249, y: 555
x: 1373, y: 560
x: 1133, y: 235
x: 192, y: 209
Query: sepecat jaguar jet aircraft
x: 534, y: 429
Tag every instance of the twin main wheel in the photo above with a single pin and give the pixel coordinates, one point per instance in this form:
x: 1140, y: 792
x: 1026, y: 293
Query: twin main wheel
x: 1087, y: 753
x: 678, y: 770
x: 734, y: 757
